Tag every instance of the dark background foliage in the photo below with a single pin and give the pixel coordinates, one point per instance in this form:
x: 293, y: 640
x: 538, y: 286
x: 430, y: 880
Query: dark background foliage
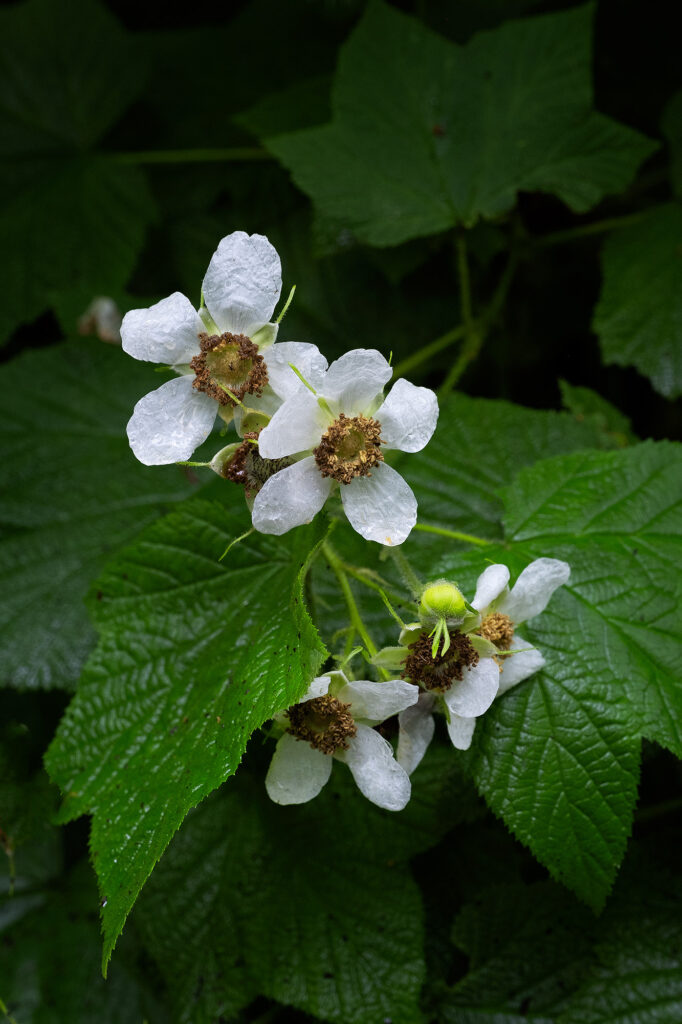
x: 115, y: 181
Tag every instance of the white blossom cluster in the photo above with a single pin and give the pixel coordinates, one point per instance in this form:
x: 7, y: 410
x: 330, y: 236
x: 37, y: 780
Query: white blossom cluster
x: 336, y: 719
x: 308, y: 428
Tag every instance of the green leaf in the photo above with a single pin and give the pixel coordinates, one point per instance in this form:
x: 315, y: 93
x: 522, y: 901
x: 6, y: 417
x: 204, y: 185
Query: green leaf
x: 311, y: 905
x: 529, y: 946
x: 72, y: 492
x: 636, y: 974
x: 194, y: 654
x: 587, y: 405
x: 71, y: 220
x: 639, y: 314
x: 427, y: 134
x: 557, y: 757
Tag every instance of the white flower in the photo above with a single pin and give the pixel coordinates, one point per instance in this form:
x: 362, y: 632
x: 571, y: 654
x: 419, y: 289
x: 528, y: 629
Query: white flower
x: 334, y: 720
x: 345, y: 426
x: 223, y: 343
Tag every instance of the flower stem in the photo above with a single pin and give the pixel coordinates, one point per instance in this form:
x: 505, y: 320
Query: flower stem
x: 191, y: 156
x: 432, y: 349
x: 8, y: 1015
x: 467, y: 538
x: 584, y: 230
x: 337, y: 567
x: 407, y: 572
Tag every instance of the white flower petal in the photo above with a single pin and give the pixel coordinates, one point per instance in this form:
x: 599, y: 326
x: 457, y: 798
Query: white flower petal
x: 290, y: 498
x: 377, y: 774
x: 242, y: 283
x: 491, y: 583
x: 518, y: 667
x: 352, y: 381
x: 318, y: 688
x: 380, y: 507
x: 474, y: 694
x: 297, y: 771
x: 408, y: 417
x: 167, y: 332
x: 461, y: 731
x: 376, y: 701
x: 531, y: 593
x: 417, y: 727
x: 297, y: 426
x: 306, y: 358
x: 168, y: 424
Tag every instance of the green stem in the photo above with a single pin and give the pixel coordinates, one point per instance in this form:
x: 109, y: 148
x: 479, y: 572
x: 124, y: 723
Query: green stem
x: 407, y: 572
x: 477, y: 330
x: 467, y: 538
x: 191, y: 156
x: 10, y: 1018
x: 659, y: 810
x: 597, y: 228
x: 432, y: 349
x: 337, y: 567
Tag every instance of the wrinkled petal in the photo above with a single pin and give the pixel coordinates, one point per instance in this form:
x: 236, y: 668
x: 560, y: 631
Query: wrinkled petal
x: 318, y: 688
x: 167, y: 332
x: 380, y: 507
x: 168, y: 424
x: 461, y: 731
x: 377, y: 701
x: 408, y: 417
x: 242, y: 283
x: 352, y: 381
x: 297, y: 426
x: 474, y: 694
x: 290, y: 498
x: 417, y: 727
x: 297, y: 771
x: 377, y: 774
x: 307, y: 359
x: 518, y: 667
x: 491, y: 583
x: 531, y: 593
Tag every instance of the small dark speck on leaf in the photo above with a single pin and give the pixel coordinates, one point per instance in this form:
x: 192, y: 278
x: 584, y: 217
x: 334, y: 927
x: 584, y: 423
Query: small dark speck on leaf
x: 100, y: 595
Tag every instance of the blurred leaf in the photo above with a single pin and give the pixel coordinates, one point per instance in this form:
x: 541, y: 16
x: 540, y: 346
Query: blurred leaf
x: 639, y: 314
x: 615, y: 429
x: 427, y: 134
x: 194, y: 654
x: 72, y: 492
x: 671, y: 124
x: 310, y: 905
x: 300, y: 105
x: 50, y: 968
x: 557, y: 757
x: 69, y: 219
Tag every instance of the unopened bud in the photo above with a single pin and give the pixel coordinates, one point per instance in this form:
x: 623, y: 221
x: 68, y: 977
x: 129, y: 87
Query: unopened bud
x: 441, y: 600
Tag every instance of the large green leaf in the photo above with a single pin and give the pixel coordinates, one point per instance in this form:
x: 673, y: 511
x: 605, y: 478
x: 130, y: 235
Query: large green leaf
x: 557, y: 757
x: 72, y: 492
x: 310, y: 905
x: 194, y: 654
x: 70, y: 220
x: 639, y: 314
x: 426, y: 134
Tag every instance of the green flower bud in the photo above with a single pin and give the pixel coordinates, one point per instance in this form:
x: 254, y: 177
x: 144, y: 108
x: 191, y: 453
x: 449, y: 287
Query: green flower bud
x: 441, y: 600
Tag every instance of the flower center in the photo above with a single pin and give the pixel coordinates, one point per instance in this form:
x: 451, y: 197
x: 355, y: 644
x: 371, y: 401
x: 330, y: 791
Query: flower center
x: 324, y: 722
x: 228, y: 361
x: 441, y: 672
x: 499, y: 629
x: 351, y: 447
x: 248, y: 467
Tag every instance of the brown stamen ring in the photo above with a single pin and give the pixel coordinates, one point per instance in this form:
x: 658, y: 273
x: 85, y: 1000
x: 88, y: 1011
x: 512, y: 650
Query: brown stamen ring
x: 324, y: 722
x: 351, y: 447
x: 439, y: 673
x: 228, y: 361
